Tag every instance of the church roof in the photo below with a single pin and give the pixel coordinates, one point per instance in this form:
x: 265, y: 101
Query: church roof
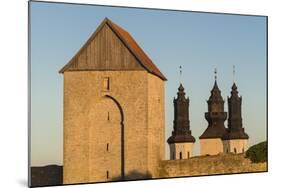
x: 217, y: 131
x: 181, y: 138
x: 235, y: 134
x: 129, y: 42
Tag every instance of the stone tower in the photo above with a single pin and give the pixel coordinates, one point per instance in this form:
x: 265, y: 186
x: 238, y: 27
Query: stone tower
x: 113, y: 110
x: 235, y: 140
x: 181, y: 142
x: 211, y: 140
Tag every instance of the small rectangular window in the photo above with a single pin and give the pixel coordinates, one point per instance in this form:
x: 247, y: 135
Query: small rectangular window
x: 106, y: 85
x: 107, y: 174
x: 107, y: 147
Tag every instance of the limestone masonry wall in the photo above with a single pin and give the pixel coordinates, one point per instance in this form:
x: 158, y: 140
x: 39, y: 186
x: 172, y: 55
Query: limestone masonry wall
x: 156, y: 123
x: 207, y: 165
x: 211, y: 146
x: 92, y: 125
x: 185, y: 149
x: 87, y: 130
x: 236, y: 145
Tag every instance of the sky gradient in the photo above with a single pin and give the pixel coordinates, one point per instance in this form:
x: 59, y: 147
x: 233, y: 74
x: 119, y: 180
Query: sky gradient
x: 198, y: 42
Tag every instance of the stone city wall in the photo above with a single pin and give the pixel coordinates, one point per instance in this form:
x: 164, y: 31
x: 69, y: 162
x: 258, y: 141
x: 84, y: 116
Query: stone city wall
x: 208, y: 165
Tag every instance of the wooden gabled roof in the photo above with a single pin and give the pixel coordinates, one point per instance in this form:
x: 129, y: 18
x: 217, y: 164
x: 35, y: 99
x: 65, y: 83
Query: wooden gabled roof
x: 129, y: 42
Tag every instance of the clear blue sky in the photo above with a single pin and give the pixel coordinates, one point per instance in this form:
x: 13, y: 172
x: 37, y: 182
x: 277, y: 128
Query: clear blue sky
x: 197, y: 41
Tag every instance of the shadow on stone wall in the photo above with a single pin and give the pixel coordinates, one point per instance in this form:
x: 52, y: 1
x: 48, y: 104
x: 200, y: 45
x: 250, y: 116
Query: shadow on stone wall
x: 52, y: 175
x: 46, y: 175
x: 134, y: 175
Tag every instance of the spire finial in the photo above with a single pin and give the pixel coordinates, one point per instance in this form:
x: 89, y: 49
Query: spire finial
x: 215, y: 74
x: 180, y: 72
x: 233, y: 73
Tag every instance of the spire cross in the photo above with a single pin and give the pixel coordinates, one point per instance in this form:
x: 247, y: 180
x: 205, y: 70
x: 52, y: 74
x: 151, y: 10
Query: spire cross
x: 180, y: 72
x: 215, y: 74
x: 233, y: 73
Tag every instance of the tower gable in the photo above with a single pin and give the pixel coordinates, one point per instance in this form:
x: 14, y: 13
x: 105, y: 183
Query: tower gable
x: 104, y: 52
x: 111, y: 48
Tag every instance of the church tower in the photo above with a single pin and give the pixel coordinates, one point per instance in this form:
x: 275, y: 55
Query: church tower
x: 181, y: 142
x: 236, y: 140
x: 211, y: 140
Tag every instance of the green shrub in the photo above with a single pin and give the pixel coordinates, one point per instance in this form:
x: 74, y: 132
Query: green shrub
x: 257, y: 153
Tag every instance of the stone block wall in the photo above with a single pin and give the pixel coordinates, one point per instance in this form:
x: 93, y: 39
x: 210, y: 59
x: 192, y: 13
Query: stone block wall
x: 92, y: 125
x: 156, y: 124
x: 235, y: 145
x: 208, y: 165
x: 211, y: 146
x: 183, y: 149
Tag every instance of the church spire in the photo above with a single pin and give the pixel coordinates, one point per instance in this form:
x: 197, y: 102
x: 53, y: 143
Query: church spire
x: 215, y: 115
x: 181, y: 132
x: 235, y: 128
x: 215, y: 92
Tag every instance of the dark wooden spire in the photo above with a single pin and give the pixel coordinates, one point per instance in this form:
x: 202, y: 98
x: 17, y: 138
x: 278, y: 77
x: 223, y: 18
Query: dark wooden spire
x: 215, y: 115
x: 181, y: 132
x: 235, y: 129
x: 216, y: 94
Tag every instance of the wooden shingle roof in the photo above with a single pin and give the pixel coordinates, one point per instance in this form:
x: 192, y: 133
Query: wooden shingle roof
x: 129, y: 42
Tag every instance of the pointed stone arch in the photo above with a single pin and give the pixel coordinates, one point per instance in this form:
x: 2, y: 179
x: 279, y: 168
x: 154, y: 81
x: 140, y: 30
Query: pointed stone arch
x: 122, y: 135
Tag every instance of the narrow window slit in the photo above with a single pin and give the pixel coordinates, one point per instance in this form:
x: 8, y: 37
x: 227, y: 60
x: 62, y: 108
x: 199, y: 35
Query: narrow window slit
x: 106, y: 84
